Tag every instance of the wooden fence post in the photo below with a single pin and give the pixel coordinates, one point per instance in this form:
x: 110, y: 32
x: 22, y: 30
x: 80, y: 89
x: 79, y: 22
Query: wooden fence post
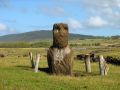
x: 87, y: 63
x: 37, y: 62
x: 31, y: 59
x: 103, y: 66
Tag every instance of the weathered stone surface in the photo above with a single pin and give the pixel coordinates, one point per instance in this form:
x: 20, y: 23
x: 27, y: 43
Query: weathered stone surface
x: 60, y: 35
x: 60, y: 61
x: 59, y: 55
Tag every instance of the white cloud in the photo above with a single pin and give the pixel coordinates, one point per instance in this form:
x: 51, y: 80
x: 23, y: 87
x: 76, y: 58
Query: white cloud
x: 103, y: 7
x: 74, y: 24
x: 52, y: 11
x: 101, y: 3
x: 108, y: 9
x: 12, y: 30
x: 3, y: 27
x: 96, y: 22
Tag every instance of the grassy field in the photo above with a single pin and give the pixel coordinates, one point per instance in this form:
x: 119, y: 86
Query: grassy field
x: 16, y: 72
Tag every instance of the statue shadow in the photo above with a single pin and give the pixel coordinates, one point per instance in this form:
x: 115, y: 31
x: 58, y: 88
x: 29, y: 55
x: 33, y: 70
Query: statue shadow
x: 45, y: 70
x: 76, y: 73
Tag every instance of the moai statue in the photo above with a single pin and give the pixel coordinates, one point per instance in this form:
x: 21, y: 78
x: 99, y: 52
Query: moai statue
x: 59, y: 55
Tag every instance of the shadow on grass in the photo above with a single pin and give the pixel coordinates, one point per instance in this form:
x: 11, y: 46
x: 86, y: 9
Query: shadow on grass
x: 46, y: 70
x: 23, y: 67
x: 77, y: 73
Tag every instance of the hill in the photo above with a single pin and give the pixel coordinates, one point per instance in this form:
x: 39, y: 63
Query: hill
x: 38, y: 35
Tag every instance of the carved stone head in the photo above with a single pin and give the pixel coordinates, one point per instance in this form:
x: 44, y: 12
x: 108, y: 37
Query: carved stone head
x: 60, y: 35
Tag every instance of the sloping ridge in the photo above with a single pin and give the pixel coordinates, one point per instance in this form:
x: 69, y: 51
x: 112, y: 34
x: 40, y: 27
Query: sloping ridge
x: 36, y: 35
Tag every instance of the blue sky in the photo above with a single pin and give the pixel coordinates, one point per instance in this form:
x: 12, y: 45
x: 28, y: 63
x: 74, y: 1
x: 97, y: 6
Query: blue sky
x: 89, y: 17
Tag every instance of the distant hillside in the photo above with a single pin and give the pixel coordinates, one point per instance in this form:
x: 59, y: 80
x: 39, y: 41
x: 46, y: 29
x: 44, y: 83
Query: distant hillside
x: 38, y: 35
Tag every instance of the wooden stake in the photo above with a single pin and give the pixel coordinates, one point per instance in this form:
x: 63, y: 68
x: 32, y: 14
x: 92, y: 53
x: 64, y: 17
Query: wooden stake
x: 37, y: 62
x: 87, y: 63
x: 103, y: 66
x: 31, y: 59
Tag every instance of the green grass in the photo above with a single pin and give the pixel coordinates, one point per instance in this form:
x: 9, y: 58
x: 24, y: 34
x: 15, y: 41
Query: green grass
x: 16, y: 74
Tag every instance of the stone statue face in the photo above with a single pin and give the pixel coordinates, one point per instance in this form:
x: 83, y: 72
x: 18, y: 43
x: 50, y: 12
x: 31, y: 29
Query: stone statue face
x: 60, y: 35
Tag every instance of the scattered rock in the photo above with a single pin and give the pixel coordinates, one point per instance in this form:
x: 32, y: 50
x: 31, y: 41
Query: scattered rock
x: 2, y: 55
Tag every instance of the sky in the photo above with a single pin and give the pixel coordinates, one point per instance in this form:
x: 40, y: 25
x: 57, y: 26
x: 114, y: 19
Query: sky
x: 88, y: 17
